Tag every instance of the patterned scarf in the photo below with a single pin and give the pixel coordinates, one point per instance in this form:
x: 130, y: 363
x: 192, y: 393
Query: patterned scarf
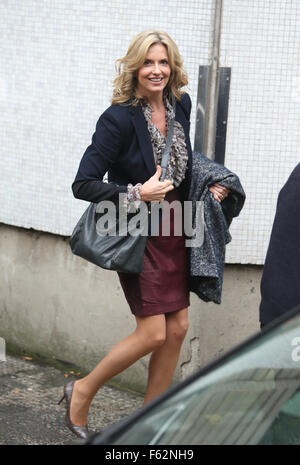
x: 178, y: 154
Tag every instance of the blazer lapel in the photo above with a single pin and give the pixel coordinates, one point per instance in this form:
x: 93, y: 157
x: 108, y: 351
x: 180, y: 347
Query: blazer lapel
x: 144, y: 139
x: 181, y: 118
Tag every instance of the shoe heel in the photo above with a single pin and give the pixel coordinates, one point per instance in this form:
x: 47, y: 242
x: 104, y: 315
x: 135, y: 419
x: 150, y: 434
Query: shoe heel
x: 60, y: 401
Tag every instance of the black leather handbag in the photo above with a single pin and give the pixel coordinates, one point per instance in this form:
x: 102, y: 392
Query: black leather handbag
x: 120, y: 251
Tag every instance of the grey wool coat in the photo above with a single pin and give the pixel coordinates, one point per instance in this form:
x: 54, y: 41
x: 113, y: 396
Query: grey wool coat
x: 206, y: 261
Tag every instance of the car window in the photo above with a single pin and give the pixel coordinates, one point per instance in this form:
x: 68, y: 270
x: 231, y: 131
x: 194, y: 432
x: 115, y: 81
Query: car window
x: 250, y: 399
x: 285, y: 430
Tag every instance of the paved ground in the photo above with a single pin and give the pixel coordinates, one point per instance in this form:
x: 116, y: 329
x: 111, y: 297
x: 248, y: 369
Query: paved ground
x: 29, y: 414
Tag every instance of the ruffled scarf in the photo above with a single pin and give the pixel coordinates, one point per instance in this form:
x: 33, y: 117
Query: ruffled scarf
x: 178, y: 153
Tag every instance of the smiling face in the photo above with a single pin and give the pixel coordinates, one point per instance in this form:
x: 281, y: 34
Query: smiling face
x: 153, y: 76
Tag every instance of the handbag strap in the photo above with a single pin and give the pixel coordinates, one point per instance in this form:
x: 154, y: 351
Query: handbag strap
x: 165, y: 156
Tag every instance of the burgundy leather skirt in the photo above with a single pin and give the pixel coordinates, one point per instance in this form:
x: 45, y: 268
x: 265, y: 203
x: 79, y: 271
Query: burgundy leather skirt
x: 162, y: 286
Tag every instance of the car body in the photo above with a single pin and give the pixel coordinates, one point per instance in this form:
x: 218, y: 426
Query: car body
x: 249, y: 396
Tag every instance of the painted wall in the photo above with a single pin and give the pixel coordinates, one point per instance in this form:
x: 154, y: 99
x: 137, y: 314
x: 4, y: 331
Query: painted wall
x: 57, y: 66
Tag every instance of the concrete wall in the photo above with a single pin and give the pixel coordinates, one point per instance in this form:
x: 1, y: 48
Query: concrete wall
x: 60, y: 306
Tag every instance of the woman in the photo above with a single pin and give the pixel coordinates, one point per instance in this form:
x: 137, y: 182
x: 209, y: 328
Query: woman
x: 128, y: 143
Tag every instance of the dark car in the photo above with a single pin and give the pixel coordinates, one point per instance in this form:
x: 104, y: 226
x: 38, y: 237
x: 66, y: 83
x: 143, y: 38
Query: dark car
x: 249, y: 396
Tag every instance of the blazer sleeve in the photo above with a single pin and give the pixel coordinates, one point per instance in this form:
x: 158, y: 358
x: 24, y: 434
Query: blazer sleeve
x: 99, y: 156
x: 186, y: 105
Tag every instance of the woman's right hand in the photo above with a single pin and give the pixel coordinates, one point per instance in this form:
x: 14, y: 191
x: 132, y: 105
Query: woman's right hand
x: 154, y: 189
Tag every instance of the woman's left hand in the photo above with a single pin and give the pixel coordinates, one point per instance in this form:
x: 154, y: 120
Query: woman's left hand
x: 219, y: 192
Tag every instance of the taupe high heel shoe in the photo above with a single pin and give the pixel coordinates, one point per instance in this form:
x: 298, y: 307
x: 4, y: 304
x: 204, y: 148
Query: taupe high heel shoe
x: 80, y: 431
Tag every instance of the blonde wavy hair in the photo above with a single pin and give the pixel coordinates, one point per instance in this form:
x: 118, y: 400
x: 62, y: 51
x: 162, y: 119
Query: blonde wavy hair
x: 125, y: 83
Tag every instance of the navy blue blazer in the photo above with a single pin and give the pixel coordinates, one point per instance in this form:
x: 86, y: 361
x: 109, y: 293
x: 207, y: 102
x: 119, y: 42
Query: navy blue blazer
x: 121, y: 146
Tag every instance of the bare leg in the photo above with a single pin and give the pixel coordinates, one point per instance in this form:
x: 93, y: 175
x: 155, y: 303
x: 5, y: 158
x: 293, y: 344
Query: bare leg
x: 149, y: 334
x: 164, y: 359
